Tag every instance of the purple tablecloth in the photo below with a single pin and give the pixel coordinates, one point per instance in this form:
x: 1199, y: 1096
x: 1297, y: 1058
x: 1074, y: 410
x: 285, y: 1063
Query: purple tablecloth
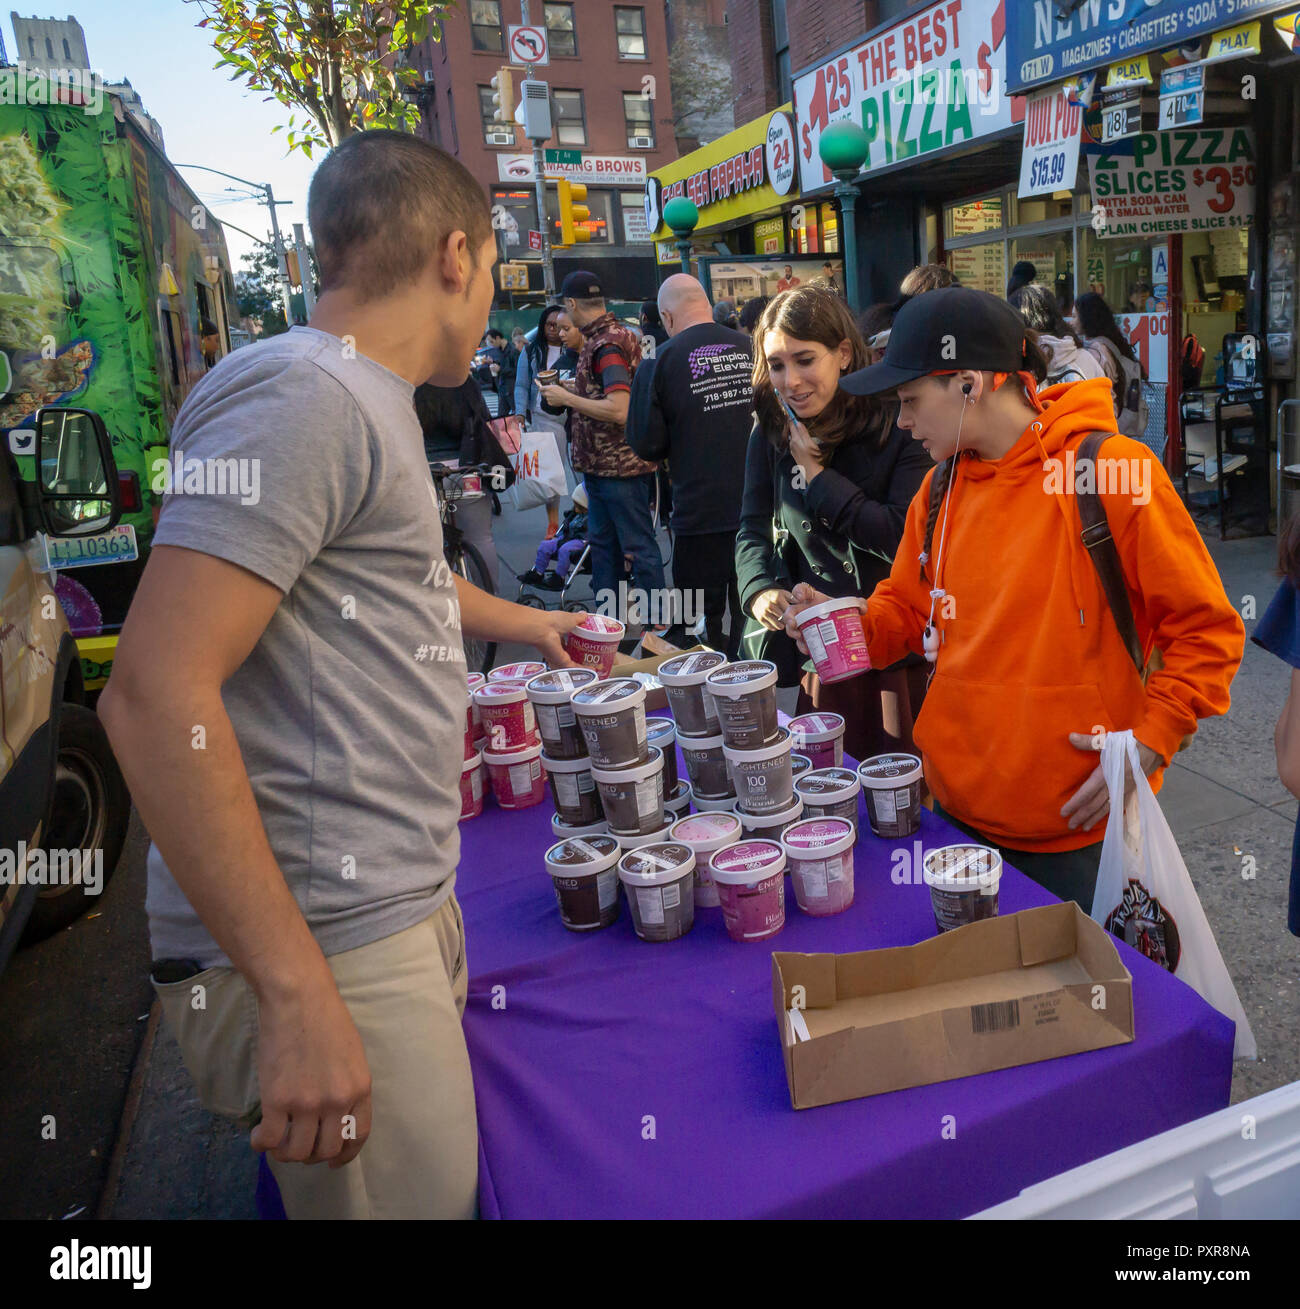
x: 620, y: 1079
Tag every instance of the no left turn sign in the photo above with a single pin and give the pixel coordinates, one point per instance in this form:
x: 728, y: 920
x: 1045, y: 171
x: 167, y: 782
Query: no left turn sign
x: 528, y: 45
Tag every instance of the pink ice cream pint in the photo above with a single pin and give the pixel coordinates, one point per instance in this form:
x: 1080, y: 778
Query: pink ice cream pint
x: 594, y: 643
x: 584, y: 873
x: 471, y: 787
x: 963, y: 882
x: 762, y: 777
x: 633, y: 798
x: 663, y: 733
x: 508, y: 719
x: 518, y: 673
x: 611, y: 715
x: 551, y: 696
x: 517, y: 778
x: 820, y: 856
x: 770, y: 827
x: 833, y: 633
x: 682, y: 678
x: 474, y: 732
x: 830, y: 793
x: 744, y: 697
x: 659, y: 882
x: 705, y: 833
x: 891, y: 786
x: 573, y: 789
x: 706, y: 763
x: 750, y: 877
x: 820, y: 736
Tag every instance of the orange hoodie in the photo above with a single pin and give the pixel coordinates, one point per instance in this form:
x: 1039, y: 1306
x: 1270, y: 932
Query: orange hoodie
x: 1030, y: 651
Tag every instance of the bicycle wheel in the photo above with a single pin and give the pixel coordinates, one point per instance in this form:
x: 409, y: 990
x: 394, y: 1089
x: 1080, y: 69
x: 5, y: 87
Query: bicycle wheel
x: 468, y: 563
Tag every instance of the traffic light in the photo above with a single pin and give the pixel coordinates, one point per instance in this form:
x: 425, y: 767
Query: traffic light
x: 503, y: 97
x: 572, y: 212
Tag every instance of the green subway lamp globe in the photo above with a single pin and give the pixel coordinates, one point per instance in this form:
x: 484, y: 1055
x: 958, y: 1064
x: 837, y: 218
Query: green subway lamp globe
x: 681, y: 215
x: 844, y: 147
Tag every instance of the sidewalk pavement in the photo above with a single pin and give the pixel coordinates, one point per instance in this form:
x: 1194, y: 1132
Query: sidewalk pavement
x: 1223, y: 801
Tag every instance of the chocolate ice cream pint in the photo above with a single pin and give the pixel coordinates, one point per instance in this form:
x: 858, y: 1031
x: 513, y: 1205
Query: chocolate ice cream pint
x: 683, y: 677
x: 508, y: 719
x: 705, y: 833
x: 633, y: 798
x: 819, y: 735
x: 627, y: 842
x: 564, y: 830
x: 551, y: 694
x: 762, y: 777
x: 612, y: 717
x: 891, y: 786
x: 963, y: 882
x: 744, y: 696
x: 707, y: 765
x: 659, y: 881
x: 830, y: 793
x: 819, y: 853
x: 663, y: 733
x: 677, y: 803
x: 770, y: 827
x: 799, y: 764
x: 584, y: 873
x: 573, y: 789
x: 518, y: 673
x: 751, y: 889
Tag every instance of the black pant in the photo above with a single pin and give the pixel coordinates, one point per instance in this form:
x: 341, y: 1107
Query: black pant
x: 707, y: 564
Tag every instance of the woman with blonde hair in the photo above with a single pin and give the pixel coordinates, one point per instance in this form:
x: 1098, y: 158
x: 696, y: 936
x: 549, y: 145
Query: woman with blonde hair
x: 825, y: 501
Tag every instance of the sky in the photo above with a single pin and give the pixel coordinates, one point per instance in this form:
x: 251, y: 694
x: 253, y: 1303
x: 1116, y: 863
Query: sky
x: 205, y: 118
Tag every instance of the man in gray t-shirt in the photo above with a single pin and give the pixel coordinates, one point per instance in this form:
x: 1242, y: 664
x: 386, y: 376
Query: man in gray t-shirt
x: 286, y: 685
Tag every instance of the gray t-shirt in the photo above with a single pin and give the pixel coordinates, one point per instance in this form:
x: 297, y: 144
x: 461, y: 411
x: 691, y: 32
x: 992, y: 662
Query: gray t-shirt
x: 346, y: 705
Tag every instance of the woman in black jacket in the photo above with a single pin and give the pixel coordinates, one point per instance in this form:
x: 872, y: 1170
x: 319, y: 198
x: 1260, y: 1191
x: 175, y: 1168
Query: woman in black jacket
x: 824, y: 503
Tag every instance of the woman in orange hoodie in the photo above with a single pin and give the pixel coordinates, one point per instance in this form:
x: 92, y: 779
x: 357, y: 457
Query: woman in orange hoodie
x: 1029, y: 668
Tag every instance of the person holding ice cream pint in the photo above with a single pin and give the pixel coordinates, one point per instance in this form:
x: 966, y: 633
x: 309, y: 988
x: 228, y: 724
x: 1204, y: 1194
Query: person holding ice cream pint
x: 1033, y: 660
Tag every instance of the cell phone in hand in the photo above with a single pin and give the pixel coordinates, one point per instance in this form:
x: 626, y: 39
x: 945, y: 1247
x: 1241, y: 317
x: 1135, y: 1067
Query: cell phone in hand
x: 785, y: 404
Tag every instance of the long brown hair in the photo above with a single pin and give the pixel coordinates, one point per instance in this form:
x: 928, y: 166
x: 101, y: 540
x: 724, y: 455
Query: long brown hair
x: 812, y: 313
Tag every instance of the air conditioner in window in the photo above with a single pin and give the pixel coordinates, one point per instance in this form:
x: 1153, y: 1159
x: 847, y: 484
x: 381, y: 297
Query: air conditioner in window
x: 501, y: 138
x: 428, y: 74
x: 643, y: 143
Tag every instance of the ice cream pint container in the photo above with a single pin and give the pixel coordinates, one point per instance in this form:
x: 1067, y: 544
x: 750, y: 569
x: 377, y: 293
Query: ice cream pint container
x: 820, y: 855
x: 663, y: 733
x: 830, y: 793
x: 633, y: 798
x: 594, y: 643
x: 659, y: 881
x: 516, y: 775
x: 744, y: 697
x: 705, y: 833
x: 682, y: 678
x: 563, y: 829
x: 518, y: 673
x: 770, y: 827
x: 574, y: 790
x: 820, y: 736
x: 584, y: 874
x: 471, y: 787
x: 891, y: 787
x: 750, y: 880
x: 611, y: 715
x: 833, y: 633
x: 963, y: 882
x: 508, y: 719
x: 678, y: 802
x: 762, y: 778
x: 551, y: 695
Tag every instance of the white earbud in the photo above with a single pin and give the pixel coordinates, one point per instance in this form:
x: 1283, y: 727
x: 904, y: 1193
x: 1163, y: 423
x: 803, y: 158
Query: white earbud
x: 930, y: 642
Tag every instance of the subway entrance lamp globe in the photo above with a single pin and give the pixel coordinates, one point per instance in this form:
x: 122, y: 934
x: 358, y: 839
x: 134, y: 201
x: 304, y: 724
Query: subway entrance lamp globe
x: 681, y: 217
x: 844, y: 148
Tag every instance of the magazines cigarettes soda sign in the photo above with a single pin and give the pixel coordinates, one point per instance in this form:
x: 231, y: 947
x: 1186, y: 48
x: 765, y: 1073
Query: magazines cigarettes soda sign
x: 1050, y: 159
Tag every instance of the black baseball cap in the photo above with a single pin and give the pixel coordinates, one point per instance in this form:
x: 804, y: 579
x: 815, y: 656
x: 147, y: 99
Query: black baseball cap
x: 942, y: 331
x: 581, y: 285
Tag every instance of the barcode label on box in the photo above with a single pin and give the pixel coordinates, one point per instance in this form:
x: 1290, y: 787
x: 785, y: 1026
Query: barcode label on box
x: 998, y: 1017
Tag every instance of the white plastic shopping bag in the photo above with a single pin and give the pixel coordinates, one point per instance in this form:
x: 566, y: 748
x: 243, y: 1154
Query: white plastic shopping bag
x: 539, y: 470
x: 1146, y: 897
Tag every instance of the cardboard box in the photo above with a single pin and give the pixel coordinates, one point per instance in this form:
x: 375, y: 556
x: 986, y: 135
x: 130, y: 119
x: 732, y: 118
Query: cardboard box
x: 644, y: 669
x: 1034, y: 985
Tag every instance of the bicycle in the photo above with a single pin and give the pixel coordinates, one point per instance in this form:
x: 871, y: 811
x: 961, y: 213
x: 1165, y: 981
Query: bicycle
x: 462, y: 556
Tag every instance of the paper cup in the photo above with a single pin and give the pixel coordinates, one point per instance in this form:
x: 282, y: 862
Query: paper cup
x: 891, y: 786
x: 508, y: 719
x: 612, y: 717
x: 516, y: 775
x: 663, y: 733
x: 706, y: 763
x: 658, y: 879
x: 705, y: 833
x: 682, y: 678
x: 517, y: 673
x: 565, y: 830
x: 820, y: 855
x: 820, y: 736
x: 833, y: 633
x: 963, y: 882
x: 471, y: 787
x: 830, y: 793
x: 633, y: 798
x: 594, y: 643
x: 744, y: 696
x: 584, y: 873
x: 770, y: 827
x: 750, y: 877
x: 762, y: 778
x: 573, y: 790
x: 551, y: 696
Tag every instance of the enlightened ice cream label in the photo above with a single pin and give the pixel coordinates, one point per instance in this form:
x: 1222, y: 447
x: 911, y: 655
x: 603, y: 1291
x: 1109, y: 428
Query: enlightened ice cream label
x: 747, y: 856
x: 603, y: 692
x: 655, y: 859
x: 826, y: 783
x: 740, y: 674
x: 563, y: 680
x: 889, y: 765
x: 513, y: 672
x: 581, y: 850
x: 818, y: 833
x: 811, y: 727
x: 699, y: 662
x: 601, y: 624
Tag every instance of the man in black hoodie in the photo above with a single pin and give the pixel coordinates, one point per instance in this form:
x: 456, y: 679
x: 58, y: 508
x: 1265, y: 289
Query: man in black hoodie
x: 691, y: 405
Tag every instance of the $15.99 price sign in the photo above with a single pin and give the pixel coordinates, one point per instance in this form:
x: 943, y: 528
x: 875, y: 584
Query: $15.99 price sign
x: 1050, y: 160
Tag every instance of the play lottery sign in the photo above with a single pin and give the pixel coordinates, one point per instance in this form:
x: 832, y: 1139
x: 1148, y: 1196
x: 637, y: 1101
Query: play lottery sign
x: 1050, y: 159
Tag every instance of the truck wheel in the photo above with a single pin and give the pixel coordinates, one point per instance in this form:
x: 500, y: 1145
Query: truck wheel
x: 89, y: 812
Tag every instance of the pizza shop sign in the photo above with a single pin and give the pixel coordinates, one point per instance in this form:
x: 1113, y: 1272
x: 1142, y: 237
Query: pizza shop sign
x: 741, y: 172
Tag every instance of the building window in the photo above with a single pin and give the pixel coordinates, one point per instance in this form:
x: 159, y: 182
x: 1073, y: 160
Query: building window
x: 629, y: 24
x: 492, y: 125
x: 451, y: 118
x: 485, y: 25
x: 570, y: 117
x: 634, y: 228
x: 638, y: 114
x: 781, y: 49
x: 561, y: 34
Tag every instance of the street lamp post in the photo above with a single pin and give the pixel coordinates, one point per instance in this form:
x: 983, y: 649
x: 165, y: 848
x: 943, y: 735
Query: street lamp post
x: 681, y: 216
x: 844, y: 148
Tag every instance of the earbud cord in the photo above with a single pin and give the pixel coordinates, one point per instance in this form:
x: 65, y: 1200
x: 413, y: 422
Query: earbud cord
x: 937, y: 592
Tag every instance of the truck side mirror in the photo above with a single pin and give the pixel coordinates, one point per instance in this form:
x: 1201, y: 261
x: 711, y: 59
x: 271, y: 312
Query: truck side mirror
x: 77, y: 490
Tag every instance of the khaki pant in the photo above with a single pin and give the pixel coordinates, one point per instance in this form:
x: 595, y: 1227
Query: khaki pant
x: 406, y: 994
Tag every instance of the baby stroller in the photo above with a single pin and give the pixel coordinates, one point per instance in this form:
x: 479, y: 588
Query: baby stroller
x: 561, y: 560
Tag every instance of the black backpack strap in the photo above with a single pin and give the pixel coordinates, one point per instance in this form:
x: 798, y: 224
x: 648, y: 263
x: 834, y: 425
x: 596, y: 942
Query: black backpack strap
x: 1104, y: 554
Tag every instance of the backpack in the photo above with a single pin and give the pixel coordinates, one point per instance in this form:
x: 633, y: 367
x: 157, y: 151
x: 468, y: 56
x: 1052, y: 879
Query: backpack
x: 1130, y: 396
x: 1193, y: 356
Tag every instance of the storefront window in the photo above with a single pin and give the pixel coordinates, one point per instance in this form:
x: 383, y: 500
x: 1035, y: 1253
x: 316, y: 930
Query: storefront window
x: 1052, y: 256
x: 830, y: 228
x: 521, y: 218
x: 634, y: 228
x: 982, y: 266
x: 803, y: 230
x: 769, y: 236
x: 1042, y: 209
x: 984, y: 215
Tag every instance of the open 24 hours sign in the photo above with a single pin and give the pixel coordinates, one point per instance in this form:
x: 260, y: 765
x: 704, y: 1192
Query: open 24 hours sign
x: 1191, y: 180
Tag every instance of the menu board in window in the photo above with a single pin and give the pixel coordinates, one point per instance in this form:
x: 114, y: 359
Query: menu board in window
x: 977, y: 216
x: 980, y: 266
